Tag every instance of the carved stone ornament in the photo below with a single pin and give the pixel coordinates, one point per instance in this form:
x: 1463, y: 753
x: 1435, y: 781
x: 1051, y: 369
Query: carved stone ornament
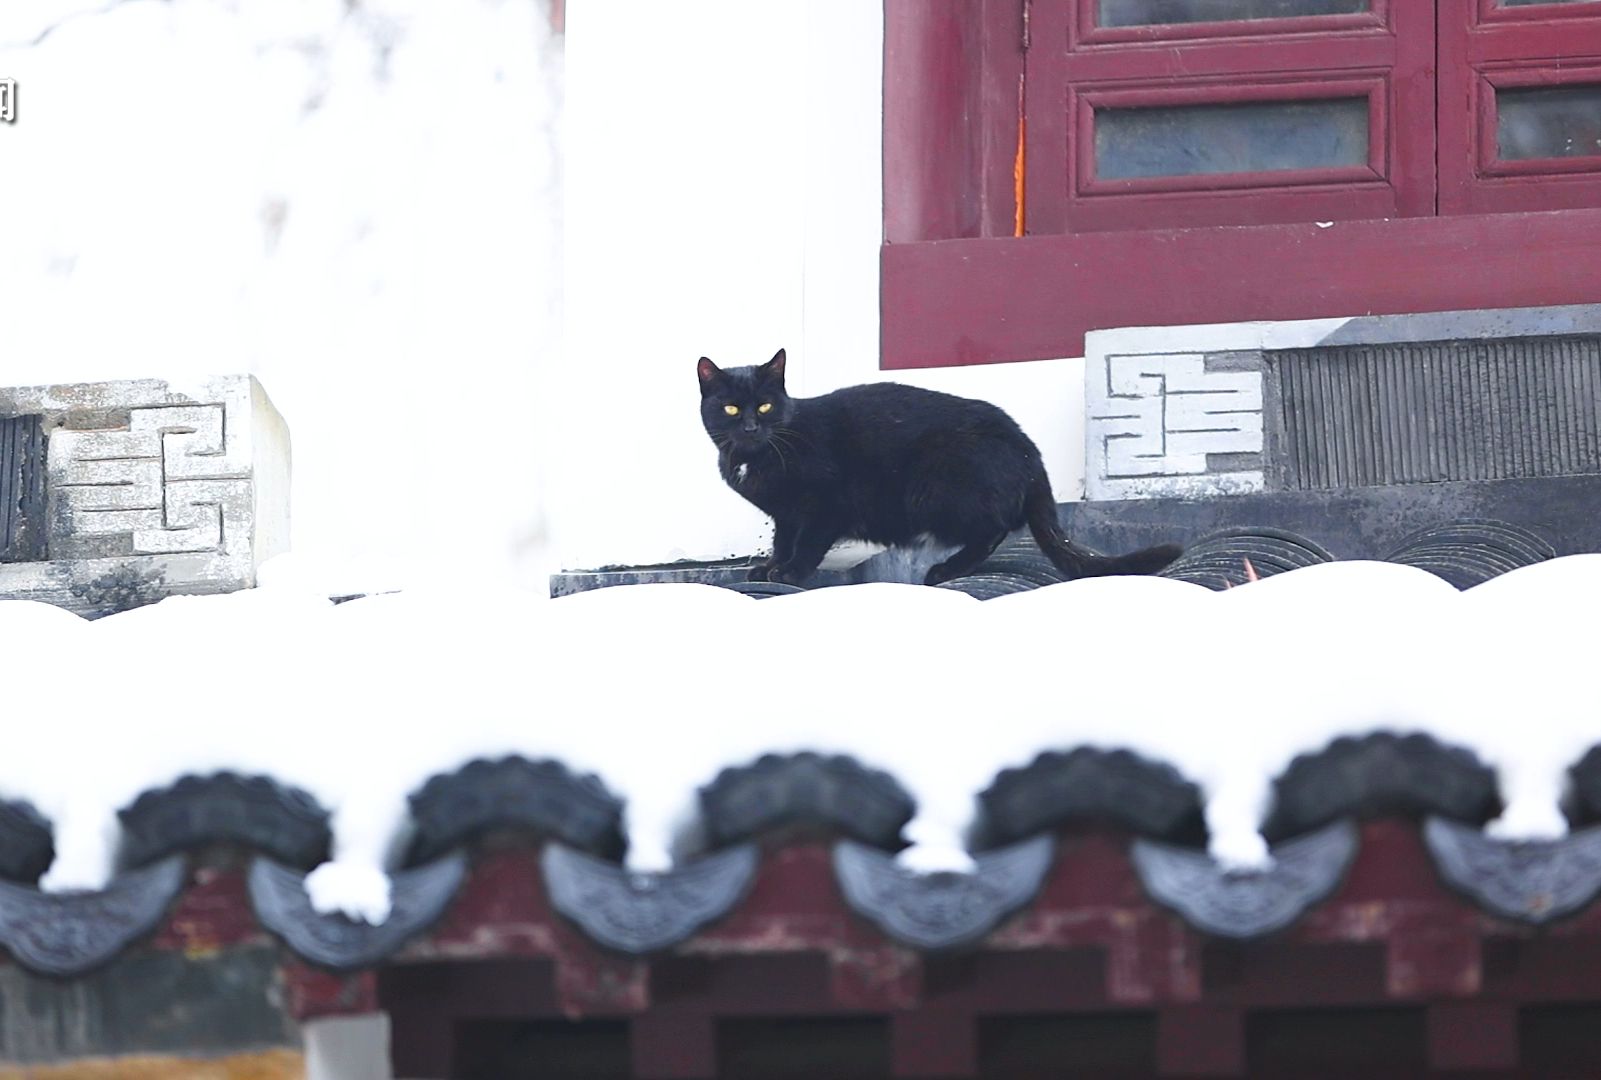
x: 1237, y: 904
x: 941, y: 911
x: 515, y: 793
x: 255, y: 812
x: 68, y: 934
x: 1533, y: 881
x: 418, y: 899
x: 147, y: 488
x: 641, y: 913
x: 834, y: 792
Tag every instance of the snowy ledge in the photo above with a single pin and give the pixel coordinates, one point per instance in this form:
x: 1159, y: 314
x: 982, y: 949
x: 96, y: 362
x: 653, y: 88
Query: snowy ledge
x: 657, y: 689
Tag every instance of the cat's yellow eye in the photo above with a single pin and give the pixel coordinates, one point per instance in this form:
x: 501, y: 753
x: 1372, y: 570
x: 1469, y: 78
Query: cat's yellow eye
x: 765, y: 407
x: 731, y: 410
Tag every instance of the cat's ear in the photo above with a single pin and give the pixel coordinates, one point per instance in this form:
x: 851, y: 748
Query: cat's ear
x: 708, y: 372
x: 774, y: 368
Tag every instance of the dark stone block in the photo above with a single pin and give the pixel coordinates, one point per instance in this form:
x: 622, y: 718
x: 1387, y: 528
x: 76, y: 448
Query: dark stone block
x: 418, y: 898
x: 1421, y: 412
x: 1234, y: 556
x: 254, y: 812
x: 1529, y: 881
x: 1234, y: 904
x: 22, y: 499
x: 147, y: 1001
x: 835, y: 793
x: 515, y: 793
x: 941, y: 911
x: 1089, y: 784
x: 26, y: 845
x: 643, y: 913
x: 1353, y: 523
x: 68, y: 934
x: 1383, y: 773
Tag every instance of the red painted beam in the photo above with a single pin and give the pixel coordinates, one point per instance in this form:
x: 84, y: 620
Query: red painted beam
x: 983, y: 301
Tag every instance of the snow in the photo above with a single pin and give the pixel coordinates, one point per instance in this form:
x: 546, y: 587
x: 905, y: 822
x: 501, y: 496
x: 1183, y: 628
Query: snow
x: 656, y: 688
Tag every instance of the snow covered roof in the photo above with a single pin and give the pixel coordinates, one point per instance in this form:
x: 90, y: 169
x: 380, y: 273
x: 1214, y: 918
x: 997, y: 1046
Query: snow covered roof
x: 361, y: 746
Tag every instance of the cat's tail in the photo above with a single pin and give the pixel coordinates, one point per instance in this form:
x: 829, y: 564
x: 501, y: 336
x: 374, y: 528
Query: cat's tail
x: 1075, y: 561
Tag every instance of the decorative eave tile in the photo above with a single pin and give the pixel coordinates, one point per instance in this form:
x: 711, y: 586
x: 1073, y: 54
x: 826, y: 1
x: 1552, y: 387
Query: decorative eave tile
x: 941, y: 911
x: 418, y: 898
x: 643, y: 913
x: 1531, y: 881
x: 68, y: 934
x: 1236, y: 904
x: 515, y: 793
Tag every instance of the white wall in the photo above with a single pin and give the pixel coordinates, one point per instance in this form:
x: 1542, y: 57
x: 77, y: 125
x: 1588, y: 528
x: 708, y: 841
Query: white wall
x: 724, y: 198
x: 357, y: 202
x: 362, y: 204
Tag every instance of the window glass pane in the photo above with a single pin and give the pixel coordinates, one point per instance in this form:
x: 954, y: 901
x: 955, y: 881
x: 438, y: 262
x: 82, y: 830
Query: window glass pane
x: 1154, y: 12
x: 1258, y: 136
x: 1548, y: 122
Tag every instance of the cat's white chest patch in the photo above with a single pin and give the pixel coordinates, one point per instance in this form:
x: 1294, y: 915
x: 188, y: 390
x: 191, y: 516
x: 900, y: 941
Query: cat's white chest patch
x: 739, y: 474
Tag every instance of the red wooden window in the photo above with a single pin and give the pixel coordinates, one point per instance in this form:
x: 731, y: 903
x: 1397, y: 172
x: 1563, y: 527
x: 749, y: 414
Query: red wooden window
x: 1057, y: 166
x: 1520, y: 105
x: 1248, y: 121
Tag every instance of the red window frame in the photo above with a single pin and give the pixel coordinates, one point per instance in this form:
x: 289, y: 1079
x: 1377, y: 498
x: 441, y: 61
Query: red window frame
x: 1482, y: 47
x: 1379, y: 55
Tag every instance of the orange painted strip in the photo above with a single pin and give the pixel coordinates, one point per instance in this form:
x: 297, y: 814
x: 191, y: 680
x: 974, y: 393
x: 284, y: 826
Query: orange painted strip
x: 270, y: 1065
x: 1018, y: 162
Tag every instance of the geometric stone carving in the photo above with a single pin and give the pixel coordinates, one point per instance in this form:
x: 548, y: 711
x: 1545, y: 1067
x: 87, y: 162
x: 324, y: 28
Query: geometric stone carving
x: 1532, y: 881
x: 941, y: 911
x: 418, y: 898
x: 67, y: 934
x: 1338, y: 404
x: 642, y: 913
x: 1245, y: 904
x: 1186, y: 424
x: 153, y: 488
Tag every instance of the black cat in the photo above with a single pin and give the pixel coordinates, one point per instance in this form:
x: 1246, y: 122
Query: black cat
x: 887, y: 463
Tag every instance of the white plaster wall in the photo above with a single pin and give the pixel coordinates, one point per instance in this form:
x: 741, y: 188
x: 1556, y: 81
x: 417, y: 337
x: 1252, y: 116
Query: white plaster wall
x: 358, y: 201
x: 724, y: 199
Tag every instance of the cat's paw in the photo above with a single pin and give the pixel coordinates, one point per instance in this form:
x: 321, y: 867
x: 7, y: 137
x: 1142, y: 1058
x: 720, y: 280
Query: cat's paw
x: 760, y: 571
x: 786, y: 575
